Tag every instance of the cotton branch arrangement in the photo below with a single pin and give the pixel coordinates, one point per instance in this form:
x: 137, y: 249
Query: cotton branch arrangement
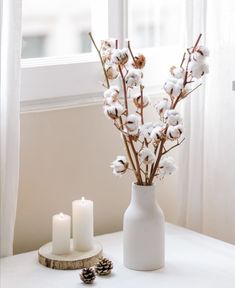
x: 147, y: 144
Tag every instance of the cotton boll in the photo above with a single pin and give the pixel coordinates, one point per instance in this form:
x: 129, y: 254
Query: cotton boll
x: 167, y: 166
x: 133, y: 78
x: 114, y: 111
x: 107, y: 47
x: 200, y: 54
x: 172, y: 117
x: 172, y: 87
x: 177, y: 72
x: 139, y: 61
x: 107, y: 44
x: 162, y: 106
x: 174, y: 132
x: 198, y: 69
x: 111, y: 95
x: 205, y: 69
x: 112, y: 72
x: 146, y: 156
x: 120, y: 56
x: 140, y: 102
x: 132, y: 122
x: 135, y: 134
x: 119, y: 166
x: 146, y: 130
x: 157, y: 134
x: 203, y: 50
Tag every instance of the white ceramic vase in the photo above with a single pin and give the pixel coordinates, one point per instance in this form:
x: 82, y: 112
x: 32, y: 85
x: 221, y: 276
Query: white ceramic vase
x: 143, y: 229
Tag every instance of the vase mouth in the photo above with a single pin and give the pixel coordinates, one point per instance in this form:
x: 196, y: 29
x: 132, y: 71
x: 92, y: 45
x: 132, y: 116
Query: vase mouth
x: 137, y: 185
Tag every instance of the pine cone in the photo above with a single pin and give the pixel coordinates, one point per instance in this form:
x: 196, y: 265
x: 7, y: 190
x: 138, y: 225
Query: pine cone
x: 104, y: 267
x: 87, y: 275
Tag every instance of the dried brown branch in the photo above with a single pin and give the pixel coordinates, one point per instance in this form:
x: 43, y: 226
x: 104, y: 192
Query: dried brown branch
x: 124, y: 88
x: 128, y: 152
x: 182, y: 62
x: 101, y: 60
x: 132, y: 55
x: 172, y: 147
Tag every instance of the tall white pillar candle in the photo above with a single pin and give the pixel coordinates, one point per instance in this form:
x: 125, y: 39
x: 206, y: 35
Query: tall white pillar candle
x: 61, y: 229
x: 83, y: 230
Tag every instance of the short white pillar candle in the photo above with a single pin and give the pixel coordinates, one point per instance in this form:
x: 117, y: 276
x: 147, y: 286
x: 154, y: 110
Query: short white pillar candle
x: 83, y: 230
x: 61, y: 230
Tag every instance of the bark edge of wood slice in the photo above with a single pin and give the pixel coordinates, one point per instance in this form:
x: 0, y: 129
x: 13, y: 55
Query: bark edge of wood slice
x: 73, y: 260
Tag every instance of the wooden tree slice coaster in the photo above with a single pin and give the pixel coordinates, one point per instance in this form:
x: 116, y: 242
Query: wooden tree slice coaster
x: 72, y: 261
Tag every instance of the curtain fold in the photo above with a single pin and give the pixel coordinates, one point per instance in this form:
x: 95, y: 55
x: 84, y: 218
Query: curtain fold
x: 191, y: 155
x: 219, y: 136
x: 10, y: 21
x: 206, y: 186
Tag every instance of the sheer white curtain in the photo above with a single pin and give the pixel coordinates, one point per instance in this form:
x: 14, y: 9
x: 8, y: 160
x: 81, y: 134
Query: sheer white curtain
x: 191, y: 155
x: 207, y: 175
x: 219, y: 136
x: 10, y: 21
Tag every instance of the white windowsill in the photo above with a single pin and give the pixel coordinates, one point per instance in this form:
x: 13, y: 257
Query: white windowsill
x: 66, y: 102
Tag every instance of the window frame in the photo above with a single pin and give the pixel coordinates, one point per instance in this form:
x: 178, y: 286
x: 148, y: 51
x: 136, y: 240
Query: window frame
x: 59, y: 82
x: 45, y: 82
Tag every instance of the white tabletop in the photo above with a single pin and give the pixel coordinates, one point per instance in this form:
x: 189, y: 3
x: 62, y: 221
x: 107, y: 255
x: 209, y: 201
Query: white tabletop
x: 192, y: 260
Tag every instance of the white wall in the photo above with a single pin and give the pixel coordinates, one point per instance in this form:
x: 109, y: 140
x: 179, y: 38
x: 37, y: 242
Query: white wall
x: 65, y: 154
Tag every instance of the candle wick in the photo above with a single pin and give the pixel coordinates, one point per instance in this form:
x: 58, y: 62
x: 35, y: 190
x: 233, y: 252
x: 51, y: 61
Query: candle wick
x: 61, y: 214
x: 83, y: 198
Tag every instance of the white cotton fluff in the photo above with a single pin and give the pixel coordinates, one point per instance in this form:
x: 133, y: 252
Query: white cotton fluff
x: 107, y: 47
x: 107, y: 44
x: 172, y: 117
x: 119, y: 166
x: 114, y: 111
x: 146, y: 130
x: 146, y: 156
x: 198, y: 69
x: 120, y: 56
x: 162, y: 106
x: 132, y: 122
x: 173, y: 86
x: 200, y: 54
x: 134, y: 133
x: 111, y: 95
x: 141, y: 102
x: 112, y: 72
x: 174, y: 132
x: 167, y: 166
x: 134, y: 78
x: 157, y: 134
x: 177, y: 72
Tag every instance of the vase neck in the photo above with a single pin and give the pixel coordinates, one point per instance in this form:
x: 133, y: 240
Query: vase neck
x: 143, y: 196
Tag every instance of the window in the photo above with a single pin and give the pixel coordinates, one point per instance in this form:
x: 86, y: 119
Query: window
x: 156, y: 23
x: 33, y: 46
x: 59, y: 63
x: 62, y: 21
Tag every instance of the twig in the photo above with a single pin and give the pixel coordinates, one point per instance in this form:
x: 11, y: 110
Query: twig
x: 182, y: 62
x: 129, y: 138
x: 197, y: 41
x: 124, y: 88
x: 192, y: 90
x: 132, y: 55
x: 128, y: 151
x: 101, y: 60
x: 177, y: 144
x: 157, y: 162
x: 137, y: 161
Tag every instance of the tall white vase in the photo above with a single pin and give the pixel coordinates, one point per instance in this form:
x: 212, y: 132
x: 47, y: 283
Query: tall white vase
x: 144, y: 233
